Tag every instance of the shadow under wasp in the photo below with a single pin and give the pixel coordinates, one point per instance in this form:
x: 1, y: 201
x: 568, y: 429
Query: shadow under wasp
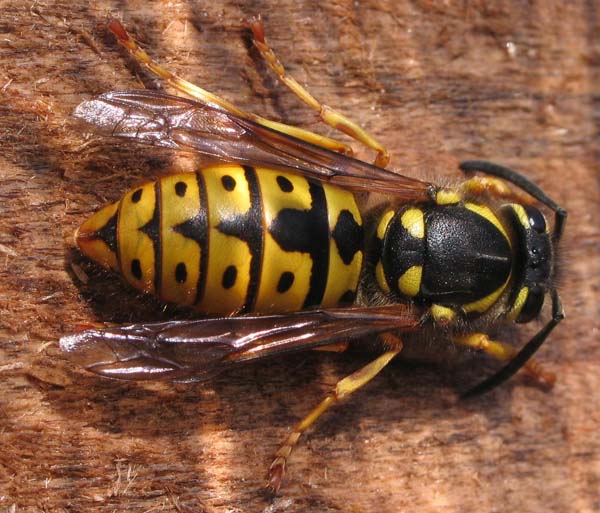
x: 275, y: 242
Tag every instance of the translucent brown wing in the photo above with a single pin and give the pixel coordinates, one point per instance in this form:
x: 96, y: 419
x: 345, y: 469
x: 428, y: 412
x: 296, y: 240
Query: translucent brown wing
x: 161, y: 120
x: 199, y: 349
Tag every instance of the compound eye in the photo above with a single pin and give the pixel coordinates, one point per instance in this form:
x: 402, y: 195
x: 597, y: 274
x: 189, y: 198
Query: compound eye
x: 533, y: 305
x: 536, y: 219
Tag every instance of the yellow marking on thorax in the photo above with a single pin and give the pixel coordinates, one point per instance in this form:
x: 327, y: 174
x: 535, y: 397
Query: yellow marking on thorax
x: 385, y: 220
x: 413, y: 222
x: 380, y: 277
x: 410, y: 282
x: 447, y: 197
x: 487, y: 213
x: 484, y: 304
x: 383, y: 223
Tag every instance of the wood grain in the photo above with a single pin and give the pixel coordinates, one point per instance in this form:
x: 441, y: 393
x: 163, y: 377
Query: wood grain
x: 514, y: 82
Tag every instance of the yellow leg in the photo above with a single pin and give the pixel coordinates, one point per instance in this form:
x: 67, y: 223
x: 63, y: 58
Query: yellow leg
x: 495, y: 187
x: 212, y: 99
x: 344, y: 388
x: 338, y: 347
x: 504, y: 352
x: 328, y: 115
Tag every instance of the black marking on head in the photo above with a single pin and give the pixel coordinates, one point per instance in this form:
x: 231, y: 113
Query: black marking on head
x: 286, y: 280
x: 136, y: 269
x: 152, y: 230
x: 180, y: 189
x: 196, y: 229
x: 284, y: 184
x: 248, y: 227
x: 307, y: 231
x: 228, y: 182
x: 348, y: 236
x: 347, y: 297
x: 180, y: 272
x: 229, y: 277
x: 533, y: 260
x: 137, y: 195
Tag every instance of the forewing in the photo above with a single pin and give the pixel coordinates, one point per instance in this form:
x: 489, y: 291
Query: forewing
x: 199, y: 349
x: 162, y: 120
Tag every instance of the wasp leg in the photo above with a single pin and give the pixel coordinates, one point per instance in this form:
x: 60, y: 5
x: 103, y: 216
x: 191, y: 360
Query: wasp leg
x: 504, y: 352
x: 212, y: 99
x: 338, y: 347
x: 328, y: 115
x: 343, y: 388
x: 495, y: 187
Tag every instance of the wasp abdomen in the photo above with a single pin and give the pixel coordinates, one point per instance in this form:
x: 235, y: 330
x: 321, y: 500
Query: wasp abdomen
x: 233, y: 238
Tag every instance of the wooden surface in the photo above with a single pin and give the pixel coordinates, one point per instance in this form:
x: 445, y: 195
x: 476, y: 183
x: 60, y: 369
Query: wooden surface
x: 514, y: 82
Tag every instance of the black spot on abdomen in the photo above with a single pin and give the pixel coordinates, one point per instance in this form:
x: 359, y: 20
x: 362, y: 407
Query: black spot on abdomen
x: 229, y: 277
x: 180, y: 189
x: 286, y: 280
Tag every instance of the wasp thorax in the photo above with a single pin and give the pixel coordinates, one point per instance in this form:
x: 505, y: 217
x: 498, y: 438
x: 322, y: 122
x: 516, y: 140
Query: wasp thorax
x: 455, y: 255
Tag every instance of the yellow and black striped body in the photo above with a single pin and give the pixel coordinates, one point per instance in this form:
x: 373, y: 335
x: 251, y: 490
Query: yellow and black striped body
x: 233, y: 238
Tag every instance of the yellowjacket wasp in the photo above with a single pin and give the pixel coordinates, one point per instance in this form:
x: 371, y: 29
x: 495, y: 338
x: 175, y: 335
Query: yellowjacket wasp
x: 274, y: 240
